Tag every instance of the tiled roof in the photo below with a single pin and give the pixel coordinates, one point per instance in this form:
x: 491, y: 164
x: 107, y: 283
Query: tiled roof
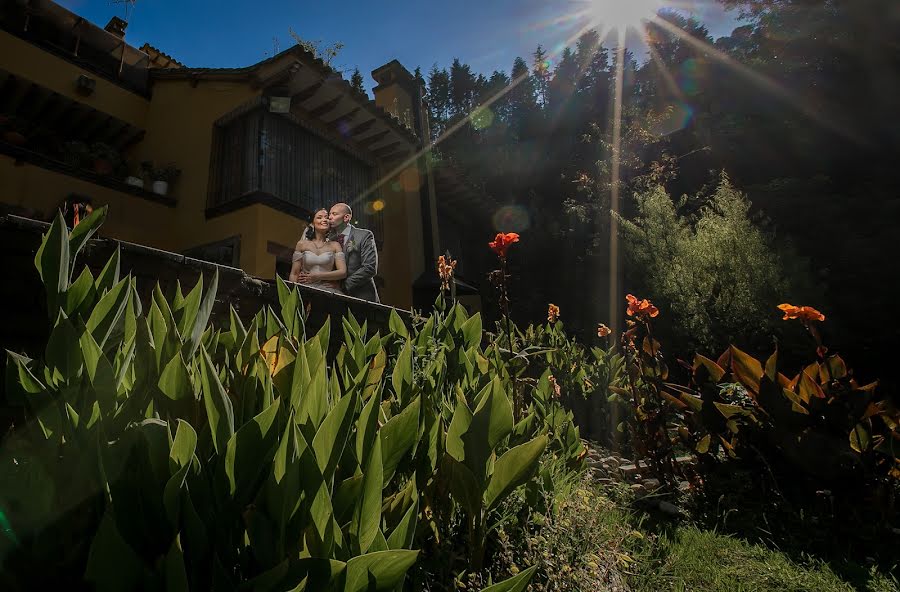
x: 156, y: 56
x: 326, y: 70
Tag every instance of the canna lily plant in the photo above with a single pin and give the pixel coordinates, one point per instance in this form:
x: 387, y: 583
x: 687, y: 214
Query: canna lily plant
x: 162, y: 451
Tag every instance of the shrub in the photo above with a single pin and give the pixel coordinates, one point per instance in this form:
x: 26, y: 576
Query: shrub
x: 166, y: 453
x: 716, y: 271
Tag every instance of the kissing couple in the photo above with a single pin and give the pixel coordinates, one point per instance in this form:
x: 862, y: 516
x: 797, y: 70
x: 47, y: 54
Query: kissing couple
x: 336, y: 256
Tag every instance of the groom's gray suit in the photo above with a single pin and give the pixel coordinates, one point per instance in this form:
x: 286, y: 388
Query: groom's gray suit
x: 362, y: 263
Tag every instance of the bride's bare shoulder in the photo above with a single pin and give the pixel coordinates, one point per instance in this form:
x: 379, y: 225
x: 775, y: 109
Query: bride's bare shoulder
x: 335, y: 246
x: 302, y: 245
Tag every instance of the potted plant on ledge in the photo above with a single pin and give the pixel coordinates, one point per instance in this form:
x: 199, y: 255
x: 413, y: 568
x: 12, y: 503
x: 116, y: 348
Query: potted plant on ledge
x: 105, y: 158
x: 162, y: 177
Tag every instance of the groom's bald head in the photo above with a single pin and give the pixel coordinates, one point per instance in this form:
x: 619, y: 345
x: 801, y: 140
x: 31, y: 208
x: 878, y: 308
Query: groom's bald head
x: 339, y: 215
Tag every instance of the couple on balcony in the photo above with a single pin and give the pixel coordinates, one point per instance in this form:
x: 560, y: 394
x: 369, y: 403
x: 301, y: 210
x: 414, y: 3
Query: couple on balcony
x: 335, y: 256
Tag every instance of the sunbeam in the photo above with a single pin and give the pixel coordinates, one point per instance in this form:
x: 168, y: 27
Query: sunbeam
x: 820, y: 116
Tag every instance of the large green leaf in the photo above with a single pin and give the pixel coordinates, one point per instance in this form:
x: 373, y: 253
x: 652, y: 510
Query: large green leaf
x: 492, y: 421
x: 383, y: 570
x: 100, y: 373
x: 81, y: 293
x: 63, y: 354
x: 366, y: 429
x: 332, y: 435
x: 85, y: 229
x: 175, y: 381
x: 249, y: 451
x: 185, y: 309
x: 463, y: 485
x: 517, y: 583
x: 367, y: 514
x: 471, y: 330
x: 109, y: 275
x: 219, y: 411
x: 176, y: 572
x: 403, y: 535
x: 459, y: 425
x: 512, y: 469
x: 198, y: 323
x: 396, y: 324
x: 398, y: 435
x: 108, y: 311
x: 52, y: 262
x: 308, y: 574
x: 112, y: 565
x: 402, y: 376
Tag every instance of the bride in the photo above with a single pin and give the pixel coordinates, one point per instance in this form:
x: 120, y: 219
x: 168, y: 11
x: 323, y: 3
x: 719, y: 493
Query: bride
x: 319, y: 262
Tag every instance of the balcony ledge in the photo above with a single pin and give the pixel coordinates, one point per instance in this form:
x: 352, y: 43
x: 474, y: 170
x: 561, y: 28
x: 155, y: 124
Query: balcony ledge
x: 25, y: 156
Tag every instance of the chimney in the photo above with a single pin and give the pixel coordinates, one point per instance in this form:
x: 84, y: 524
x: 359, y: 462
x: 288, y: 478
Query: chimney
x: 117, y: 27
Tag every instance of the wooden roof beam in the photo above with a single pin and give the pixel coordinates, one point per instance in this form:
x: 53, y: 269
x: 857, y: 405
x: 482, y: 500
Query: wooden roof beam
x: 363, y: 127
x: 373, y: 139
x: 307, y: 93
x: 344, y: 119
x: 326, y: 107
x: 387, y: 149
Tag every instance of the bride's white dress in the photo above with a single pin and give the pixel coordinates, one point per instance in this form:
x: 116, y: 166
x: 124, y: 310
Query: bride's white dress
x: 321, y: 263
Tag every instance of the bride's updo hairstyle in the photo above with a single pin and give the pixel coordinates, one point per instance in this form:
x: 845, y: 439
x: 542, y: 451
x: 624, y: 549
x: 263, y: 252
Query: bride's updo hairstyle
x: 310, y: 232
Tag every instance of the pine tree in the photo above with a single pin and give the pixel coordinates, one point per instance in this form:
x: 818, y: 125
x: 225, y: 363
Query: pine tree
x: 562, y: 86
x: 438, y: 99
x: 541, y: 72
x: 463, y: 87
x: 356, y: 81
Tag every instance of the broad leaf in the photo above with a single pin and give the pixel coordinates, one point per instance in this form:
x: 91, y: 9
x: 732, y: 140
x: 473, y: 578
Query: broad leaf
x: 383, y: 570
x: 517, y: 583
x: 398, y: 435
x: 512, y: 469
x: 219, y: 411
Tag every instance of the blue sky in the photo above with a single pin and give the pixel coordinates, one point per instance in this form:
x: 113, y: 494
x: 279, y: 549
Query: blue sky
x: 487, y: 34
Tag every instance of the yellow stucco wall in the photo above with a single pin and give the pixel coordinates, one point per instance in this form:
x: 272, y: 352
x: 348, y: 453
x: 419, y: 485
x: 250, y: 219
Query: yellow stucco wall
x: 179, y: 129
x: 178, y: 121
x: 41, y: 191
x: 32, y: 63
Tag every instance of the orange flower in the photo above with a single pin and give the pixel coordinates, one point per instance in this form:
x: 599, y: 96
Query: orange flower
x: 641, y: 308
x: 552, y: 313
x: 501, y: 243
x: 557, y: 391
x: 445, y: 267
x: 803, y: 313
x: 603, y: 331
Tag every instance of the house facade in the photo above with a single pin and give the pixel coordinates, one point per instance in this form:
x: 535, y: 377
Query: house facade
x: 84, y: 116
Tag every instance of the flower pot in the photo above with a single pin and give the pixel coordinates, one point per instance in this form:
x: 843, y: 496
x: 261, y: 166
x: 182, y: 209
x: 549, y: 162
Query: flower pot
x: 134, y: 181
x: 103, y: 166
x: 14, y: 138
x: 160, y: 187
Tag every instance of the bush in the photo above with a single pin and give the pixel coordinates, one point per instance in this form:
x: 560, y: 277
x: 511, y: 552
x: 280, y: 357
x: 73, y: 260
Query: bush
x: 716, y: 271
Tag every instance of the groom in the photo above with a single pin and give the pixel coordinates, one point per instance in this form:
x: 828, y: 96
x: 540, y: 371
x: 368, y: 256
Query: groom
x: 360, y: 251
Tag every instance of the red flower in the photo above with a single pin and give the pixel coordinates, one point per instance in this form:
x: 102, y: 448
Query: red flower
x: 502, y: 242
x: 603, y: 330
x: 641, y: 308
x: 803, y: 313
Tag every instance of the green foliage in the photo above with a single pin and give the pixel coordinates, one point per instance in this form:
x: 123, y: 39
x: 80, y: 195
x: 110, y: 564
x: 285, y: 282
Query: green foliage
x: 827, y: 424
x: 717, y: 273
x: 164, y: 452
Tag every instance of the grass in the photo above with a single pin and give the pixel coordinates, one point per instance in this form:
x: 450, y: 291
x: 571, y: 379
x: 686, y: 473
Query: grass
x: 594, y: 540
x: 688, y: 558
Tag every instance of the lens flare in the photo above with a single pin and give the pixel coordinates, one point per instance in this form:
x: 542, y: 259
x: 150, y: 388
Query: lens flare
x: 511, y: 219
x: 623, y: 14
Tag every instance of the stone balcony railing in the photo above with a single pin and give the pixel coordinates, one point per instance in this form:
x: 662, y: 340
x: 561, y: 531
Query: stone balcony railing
x: 25, y: 327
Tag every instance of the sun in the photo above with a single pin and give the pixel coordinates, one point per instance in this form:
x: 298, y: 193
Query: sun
x: 622, y: 15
